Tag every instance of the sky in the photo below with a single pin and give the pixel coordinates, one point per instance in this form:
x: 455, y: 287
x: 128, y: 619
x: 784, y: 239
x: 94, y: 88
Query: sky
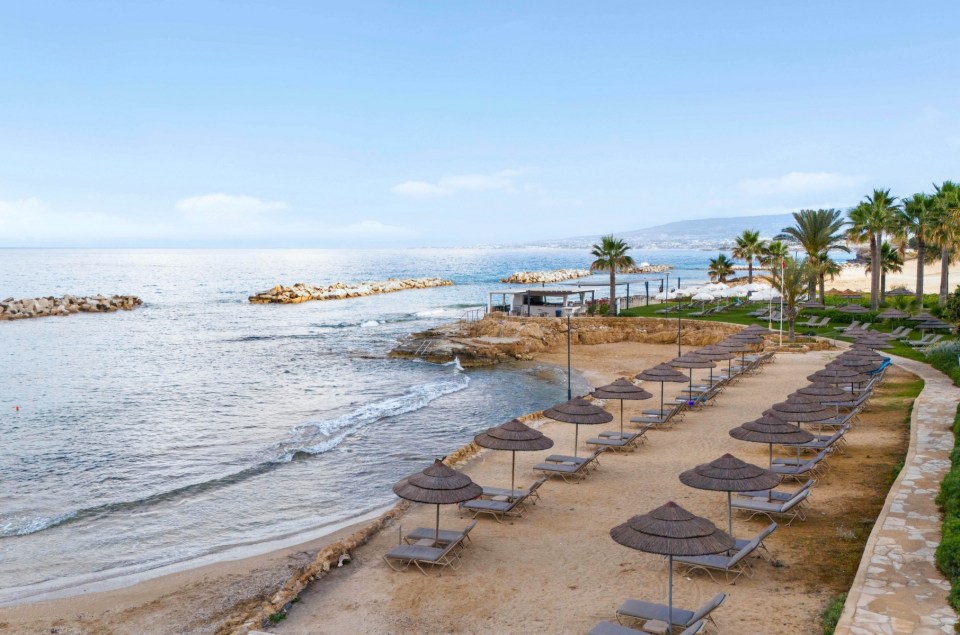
x: 389, y: 124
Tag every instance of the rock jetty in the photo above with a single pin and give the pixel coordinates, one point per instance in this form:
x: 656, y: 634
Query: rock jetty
x: 646, y: 269
x: 11, y: 309
x: 301, y: 292
x: 539, y: 277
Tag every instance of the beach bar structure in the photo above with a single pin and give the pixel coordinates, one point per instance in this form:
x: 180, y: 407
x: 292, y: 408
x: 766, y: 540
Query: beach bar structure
x: 540, y: 302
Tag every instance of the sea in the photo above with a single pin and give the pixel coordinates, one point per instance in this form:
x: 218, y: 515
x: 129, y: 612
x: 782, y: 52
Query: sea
x: 200, y: 426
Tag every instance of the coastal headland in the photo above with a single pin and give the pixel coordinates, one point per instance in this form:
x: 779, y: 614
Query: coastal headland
x: 11, y: 309
x: 302, y: 292
x: 559, y: 275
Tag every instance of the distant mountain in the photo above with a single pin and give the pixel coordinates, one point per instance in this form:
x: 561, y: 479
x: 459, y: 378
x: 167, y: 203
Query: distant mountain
x: 704, y: 232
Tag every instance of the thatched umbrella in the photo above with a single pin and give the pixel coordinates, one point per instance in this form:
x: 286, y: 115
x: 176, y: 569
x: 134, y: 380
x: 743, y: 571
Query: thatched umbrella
x: 770, y: 429
x: 922, y: 316
x: 861, y: 352
x: 515, y: 436
x: 736, y: 346
x: 715, y: 354
x: 662, y: 373
x: 690, y: 361
x: 437, y: 485
x: 855, y: 309
x: 757, y: 329
x: 578, y: 411
x: 855, y: 363
x: 670, y: 530
x: 892, y: 314
x: 730, y: 474
x: 826, y: 393
x: 874, y: 342
x: 932, y: 324
x: 802, y: 410
x: 838, y: 375
x: 900, y: 292
x: 812, y: 305
x: 623, y: 390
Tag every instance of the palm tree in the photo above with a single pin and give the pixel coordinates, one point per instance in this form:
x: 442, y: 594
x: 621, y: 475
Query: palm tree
x: 945, y: 230
x: 792, y: 284
x: 869, y: 220
x: 890, y: 262
x: 749, y: 246
x: 818, y: 231
x: 914, y: 220
x: 774, y: 253
x: 611, y: 254
x: 824, y: 266
x: 720, y: 267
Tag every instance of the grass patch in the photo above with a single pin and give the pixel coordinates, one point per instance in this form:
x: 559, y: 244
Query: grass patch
x: 831, y: 614
x: 279, y: 616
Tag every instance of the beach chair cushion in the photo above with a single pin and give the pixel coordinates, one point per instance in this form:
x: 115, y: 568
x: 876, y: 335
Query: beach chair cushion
x: 681, y: 617
x: 446, y: 535
x: 610, y: 628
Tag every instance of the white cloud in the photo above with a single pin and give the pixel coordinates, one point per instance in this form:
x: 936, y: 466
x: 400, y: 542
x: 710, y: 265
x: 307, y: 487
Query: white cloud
x: 30, y: 222
x: 220, y: 207
x: 504, y: 180
x: 799, y: 183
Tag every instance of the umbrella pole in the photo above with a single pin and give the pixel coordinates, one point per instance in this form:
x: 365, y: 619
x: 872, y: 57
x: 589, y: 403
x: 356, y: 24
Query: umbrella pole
x: 730, y: 513
x: 669, y: 593
x: 436, y: 536
x: 513, y: 471
x: 576, y: 438
x: 661, y: 400
x: 621, y: 418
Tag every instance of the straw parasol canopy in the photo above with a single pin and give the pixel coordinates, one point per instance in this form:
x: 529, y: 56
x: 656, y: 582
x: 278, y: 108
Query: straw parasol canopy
x: 802, y: 410
x: 670, y: 530
x: 770, y: 429
x: 662, y: 373
x: 578, y: 411
x: 515, y: 436
x: 892, y: 314
x: 838, y: 375
x: 729, y: 474
x: 922, y: 316
x: 757, y: 329
x: 623, y: 390
x: 715, y: 354
x: 874, y: 342
x: 932, y: 324
x: 437, y: 485
x: 854, y: 308
x: 812, y: 305
x: 690, y: 361
x: 900, y: 292
x: 826, y: 393
x: 855, y: 363
x: 746, y: 338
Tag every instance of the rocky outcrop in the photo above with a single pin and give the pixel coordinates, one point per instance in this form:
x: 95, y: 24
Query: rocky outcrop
x: 498, y: 337
x: 301, y: 292
x: 646, y: 269
x: 541, y: 277
x: 11, y: 309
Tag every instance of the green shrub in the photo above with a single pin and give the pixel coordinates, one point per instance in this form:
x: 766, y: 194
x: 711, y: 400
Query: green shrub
x: 831, y: 614
x: 948, y: 551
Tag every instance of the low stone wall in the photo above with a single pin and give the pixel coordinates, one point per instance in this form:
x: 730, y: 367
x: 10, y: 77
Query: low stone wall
x: 540, y: 277
x: 646, y: 269
x: 11, y: 309
x: 302, y: 292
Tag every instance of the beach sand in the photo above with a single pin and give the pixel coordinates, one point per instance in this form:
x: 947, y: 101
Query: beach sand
x: 857, y: 278
x: 556, y: 568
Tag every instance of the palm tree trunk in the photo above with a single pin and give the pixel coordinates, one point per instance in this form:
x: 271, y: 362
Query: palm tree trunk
x: 613, y: 292
x: 944, y: 275
x: 883, y: 287
x: 874, y: 272
x: 790, y: 332
x: 823, y: 284
x: 750, y: 270
x: 921, y: 249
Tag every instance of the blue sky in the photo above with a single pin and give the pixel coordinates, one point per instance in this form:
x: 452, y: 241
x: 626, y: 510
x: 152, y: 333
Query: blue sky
x: 458, y: 123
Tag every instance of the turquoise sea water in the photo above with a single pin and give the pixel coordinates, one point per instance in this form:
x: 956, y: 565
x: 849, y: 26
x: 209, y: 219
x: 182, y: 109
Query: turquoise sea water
x: 200, y: 422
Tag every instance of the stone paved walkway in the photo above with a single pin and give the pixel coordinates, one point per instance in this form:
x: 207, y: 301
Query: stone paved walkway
x: 898, y: 588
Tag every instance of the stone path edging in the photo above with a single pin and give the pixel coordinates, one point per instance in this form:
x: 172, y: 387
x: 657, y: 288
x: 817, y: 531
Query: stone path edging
x: 898, y: 588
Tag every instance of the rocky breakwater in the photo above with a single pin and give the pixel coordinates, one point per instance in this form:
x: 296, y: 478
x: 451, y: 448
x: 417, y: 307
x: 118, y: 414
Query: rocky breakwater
x: 301, y: 292
x: 646, y: 269
x: 498, y: 337
x: 541, y: 277
x: 11, y: 309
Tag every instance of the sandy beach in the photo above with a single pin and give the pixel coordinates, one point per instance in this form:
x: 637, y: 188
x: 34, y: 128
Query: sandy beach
x: 857, y: 278
x: 556, y: 568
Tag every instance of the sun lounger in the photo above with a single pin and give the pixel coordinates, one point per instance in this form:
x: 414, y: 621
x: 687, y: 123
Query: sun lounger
x: 774, y: 494
x: 821, y: 455
x: 791, y: 509
x: 446, y: 535
x: 646, y: 611
x: 852, y: 327
x: 656, y: 419
x: 500, y: 506
x: 609, y: 628
x: 402, y: 556
x: 933, y: 340
x: 620, y: 443
x: 813, y: 321
x: 740, y: 543
x: 567, y: 470
x: 812, y: 468
x: 823, y: 442
x: 531, y: 492
x: 731, y: 565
